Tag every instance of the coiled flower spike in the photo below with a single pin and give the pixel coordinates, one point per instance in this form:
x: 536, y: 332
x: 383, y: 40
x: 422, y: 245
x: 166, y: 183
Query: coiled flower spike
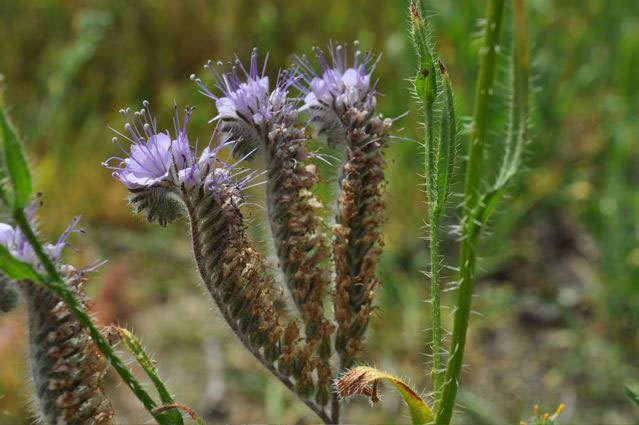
x: 246, y: 105
x: 66, y: 367
x: 341, y: 101
x: 209, y: 192
x: 337, y: 87
x: 158, y: 167
x: 266, y: 120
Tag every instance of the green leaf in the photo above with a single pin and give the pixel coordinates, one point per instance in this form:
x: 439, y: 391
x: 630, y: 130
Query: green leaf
x: 518, y: 126
x: 15, y: 268
x: 519, y: 108
x: 632, y: 392
x: 447, y: 149
x: 364, y: 380
x: 134, y: 345
x: 15, y: 161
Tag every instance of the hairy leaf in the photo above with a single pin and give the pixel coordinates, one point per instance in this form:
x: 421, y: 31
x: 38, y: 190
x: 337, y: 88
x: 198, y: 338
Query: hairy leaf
x: 135, y: 347
x: 364, y: 380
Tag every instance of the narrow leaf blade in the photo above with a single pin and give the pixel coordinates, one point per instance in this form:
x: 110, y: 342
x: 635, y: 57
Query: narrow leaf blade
x: 135, y: 347
x: 520, y: 108
x: 632, y: 392
x: 447, y: 144
x: 16, y: 269
x: 15, y: 161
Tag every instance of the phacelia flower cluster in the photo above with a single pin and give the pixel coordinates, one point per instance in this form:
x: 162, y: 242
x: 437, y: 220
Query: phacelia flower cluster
x: 154, y: 158
x: 66, y: 368
x: 158, y: 168
x: 338, y: 86
x: 166, y: 178
x: 247, y: 106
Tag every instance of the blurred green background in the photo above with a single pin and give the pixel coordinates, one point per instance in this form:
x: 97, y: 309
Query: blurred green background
x: 558, y: 292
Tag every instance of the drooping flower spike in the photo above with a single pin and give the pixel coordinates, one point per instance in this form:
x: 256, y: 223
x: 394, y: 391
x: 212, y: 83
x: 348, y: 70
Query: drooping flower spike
x: 209, y: 191
x: 338, y: 86
x: 246, y: 105
x: 66, y: 368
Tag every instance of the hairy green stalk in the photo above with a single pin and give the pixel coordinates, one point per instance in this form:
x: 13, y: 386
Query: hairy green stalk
x: 434, y: 91
x: 427, y: 91
x: 436, y: 313
x: 484, y: 90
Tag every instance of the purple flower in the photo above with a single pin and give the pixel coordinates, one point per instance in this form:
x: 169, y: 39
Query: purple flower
x: 156, y: 160
x: 16, y: 243
x: 246, y: 105
x: 154, y: 157
x: 338, y: 85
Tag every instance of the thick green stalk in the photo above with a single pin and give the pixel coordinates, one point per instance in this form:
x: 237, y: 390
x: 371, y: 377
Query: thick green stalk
x: 494, y: 13
x: 55, y: 284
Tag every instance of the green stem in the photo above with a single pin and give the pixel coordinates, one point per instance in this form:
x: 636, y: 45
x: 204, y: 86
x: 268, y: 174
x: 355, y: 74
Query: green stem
x: 429, y: 95
x: 55, y: 284
x: 438, y: 374
x: 494, y: 12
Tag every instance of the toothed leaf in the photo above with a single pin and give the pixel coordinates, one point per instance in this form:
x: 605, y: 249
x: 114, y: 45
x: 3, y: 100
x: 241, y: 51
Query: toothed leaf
x: 518, y: 126
x: 519, y: 108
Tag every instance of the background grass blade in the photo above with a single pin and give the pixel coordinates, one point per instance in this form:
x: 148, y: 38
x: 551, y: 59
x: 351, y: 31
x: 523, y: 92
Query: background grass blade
x: 632, y: 392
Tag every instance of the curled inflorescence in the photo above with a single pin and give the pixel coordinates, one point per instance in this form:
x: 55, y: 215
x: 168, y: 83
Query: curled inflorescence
x: 66, y: 367
x: 337, y: 87
x: 246, y: 105
x: 167, y: 178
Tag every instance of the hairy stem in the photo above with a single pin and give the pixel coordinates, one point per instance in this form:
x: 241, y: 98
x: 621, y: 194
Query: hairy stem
x: 436, y: 171
x: 436, y: 305
x: 494, y: 12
